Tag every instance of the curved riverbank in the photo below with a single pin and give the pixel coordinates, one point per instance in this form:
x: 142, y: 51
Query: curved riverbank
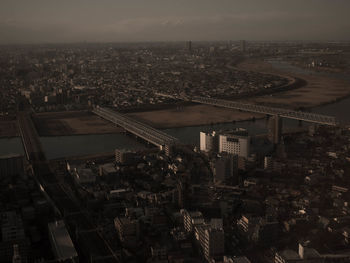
x: 321, y: 89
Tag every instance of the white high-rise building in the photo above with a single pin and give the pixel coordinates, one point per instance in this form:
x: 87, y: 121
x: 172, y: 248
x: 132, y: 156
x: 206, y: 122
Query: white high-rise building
x: 208, y: 141
x: 236, y: 142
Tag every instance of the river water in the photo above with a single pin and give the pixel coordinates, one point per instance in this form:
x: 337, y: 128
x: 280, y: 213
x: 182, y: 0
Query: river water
x: 66, y: 146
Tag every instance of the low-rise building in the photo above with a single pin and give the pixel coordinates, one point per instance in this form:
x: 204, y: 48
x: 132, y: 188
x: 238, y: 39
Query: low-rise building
x: 128, y: 230
x: 107, y: 169
x: 12, y: 164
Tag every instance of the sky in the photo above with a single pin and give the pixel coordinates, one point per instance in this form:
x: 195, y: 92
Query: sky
x: 60, y: 21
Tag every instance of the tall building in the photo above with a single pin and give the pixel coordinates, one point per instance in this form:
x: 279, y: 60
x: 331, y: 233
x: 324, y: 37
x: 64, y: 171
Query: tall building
x: 243, y: 46
x: 61, y: 242
x: 182, y: 194
x: 128, y: 230
x: 191, y: 219
x: 14, y: 245
x: 235, y: 142
x: 189, y: 46
x: 12, y: 164
x: 11, y: 226
x: 208, y: 141
x: 226, y: 167
x: 211, y: 240
x: 268, y: 163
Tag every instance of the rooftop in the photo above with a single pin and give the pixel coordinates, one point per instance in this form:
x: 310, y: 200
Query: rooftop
x: 61, y: 240
x: 11, y: 155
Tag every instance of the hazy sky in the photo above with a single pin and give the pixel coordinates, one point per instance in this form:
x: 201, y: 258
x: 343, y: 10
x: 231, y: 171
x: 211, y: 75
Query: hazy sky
x: 28, y: 21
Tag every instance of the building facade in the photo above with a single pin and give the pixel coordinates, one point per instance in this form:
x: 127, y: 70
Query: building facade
x: 11, y: 165
x: 208, y: 141
x: 236, y: 142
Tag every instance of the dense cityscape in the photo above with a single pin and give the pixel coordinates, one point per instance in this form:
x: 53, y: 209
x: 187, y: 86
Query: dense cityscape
x: 232, y: 151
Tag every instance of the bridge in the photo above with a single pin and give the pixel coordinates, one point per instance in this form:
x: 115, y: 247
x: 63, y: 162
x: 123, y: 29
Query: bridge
x: 285, y: 113
x: 30, y: 138
x: 280, y: 112
x: 148, y: 133
x: 83, y: 231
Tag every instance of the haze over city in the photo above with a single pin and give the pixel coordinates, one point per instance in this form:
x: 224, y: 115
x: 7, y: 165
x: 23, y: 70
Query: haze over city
x: 42, y: 21
x: 158, y: 131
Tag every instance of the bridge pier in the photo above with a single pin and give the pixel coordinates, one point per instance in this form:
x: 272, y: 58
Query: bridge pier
x: 275, y: 129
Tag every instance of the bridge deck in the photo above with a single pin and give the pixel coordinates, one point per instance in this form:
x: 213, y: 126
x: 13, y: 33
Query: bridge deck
x: 285, y: 113
x: 142, y: 130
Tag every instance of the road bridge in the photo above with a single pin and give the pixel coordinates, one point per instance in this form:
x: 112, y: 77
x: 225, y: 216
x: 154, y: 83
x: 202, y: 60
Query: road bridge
x: 148, y: 133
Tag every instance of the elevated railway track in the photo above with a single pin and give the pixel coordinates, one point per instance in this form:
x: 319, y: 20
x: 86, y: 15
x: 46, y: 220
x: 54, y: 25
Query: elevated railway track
x: 87, y: 239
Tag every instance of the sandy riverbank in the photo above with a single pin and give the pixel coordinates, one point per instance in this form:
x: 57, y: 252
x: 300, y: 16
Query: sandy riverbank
x: 319, y: 89
x: 191, y: 116
x: 72, y: 123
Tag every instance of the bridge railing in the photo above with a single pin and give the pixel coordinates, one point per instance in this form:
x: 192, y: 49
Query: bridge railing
x: 286, y: 113
x: 142, y: 130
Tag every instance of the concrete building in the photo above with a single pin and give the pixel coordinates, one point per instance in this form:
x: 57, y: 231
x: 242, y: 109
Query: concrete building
x: 61, y: 242
x: 268, y: 163
x: 211, y: 240
x: 226, y: 167
x: 286, y: 256
x: 236, y: 259
x: 124, y: 156
x: 243, y: 46
x: 247, y: 225
x: 181, y: 196
x: 12, y: 164
x: 216, y: 223
x: 309, y: 255
x: 191, y: 219
x: 208, y: 141
x: 189, y: 46
x: 84, y: 175
x: 128, y: 230
x: 107, y: 169
x: 159, y: 253
x: 235, y: 142
x: 11, y: 226
x: 10, y: 251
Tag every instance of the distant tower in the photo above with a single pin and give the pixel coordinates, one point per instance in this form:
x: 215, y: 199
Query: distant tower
x: 189, y: 46
x: 243, y: 46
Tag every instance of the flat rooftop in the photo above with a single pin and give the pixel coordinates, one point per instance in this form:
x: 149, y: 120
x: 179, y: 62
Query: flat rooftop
x: 61, y: 241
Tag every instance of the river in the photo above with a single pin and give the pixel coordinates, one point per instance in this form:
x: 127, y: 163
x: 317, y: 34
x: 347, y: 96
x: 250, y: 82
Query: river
x: 66, y: 146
